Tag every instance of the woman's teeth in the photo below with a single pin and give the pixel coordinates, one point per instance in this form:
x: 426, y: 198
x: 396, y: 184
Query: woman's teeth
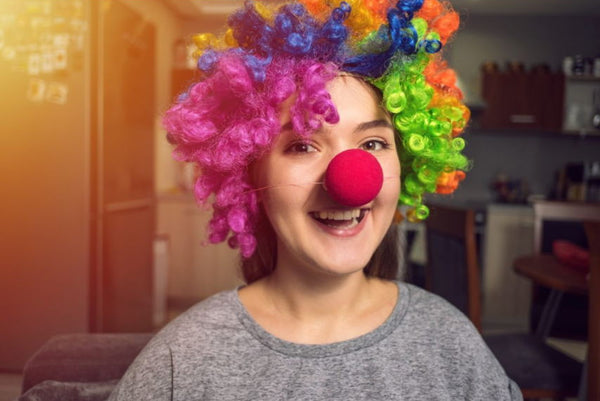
x: 339, y: 214
x: 340, y: 218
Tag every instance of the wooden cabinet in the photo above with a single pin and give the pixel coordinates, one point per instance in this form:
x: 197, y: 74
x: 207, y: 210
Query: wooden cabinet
x: 528, y: 100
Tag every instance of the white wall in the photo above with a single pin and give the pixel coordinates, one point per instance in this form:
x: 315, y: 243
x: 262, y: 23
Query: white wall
x: 533, y: 157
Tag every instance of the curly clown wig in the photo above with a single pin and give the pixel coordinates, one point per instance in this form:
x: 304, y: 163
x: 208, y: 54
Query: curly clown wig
x: 273, y: 50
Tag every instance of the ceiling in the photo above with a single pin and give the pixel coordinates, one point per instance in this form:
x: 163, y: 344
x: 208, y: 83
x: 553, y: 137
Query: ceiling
x: 196, y: 8
x: 528, y: 7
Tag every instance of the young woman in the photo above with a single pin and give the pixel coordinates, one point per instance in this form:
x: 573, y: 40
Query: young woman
x: 309, y: 123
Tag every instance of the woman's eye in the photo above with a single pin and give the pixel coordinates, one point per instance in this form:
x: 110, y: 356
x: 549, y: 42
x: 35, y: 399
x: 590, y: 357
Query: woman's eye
x: 374, y: 145
x: 300, y: 147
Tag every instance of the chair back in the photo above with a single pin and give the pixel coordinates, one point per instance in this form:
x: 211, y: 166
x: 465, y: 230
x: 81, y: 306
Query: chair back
x: 555, y: 220
x: 592, y: 229
x: 452, y: 271
x: 561, y: 220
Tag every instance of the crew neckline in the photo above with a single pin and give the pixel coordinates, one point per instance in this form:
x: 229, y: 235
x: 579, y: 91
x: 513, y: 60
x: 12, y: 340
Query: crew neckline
x: 325, y: 350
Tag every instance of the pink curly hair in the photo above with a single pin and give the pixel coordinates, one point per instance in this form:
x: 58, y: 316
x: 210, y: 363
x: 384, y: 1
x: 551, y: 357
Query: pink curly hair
x: 227, y: 121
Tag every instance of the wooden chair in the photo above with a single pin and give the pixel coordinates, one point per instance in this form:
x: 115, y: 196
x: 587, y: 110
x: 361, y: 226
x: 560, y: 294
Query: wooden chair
x: 567, y: 312
x: 452, y: 272
x: 593, y: 354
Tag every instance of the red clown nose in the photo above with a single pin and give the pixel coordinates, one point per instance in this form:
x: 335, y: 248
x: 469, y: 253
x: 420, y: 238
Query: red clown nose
x: 353, y: 177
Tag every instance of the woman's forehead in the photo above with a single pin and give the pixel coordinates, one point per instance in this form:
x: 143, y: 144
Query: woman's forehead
x: 351, y: 96
x: 352, y: 93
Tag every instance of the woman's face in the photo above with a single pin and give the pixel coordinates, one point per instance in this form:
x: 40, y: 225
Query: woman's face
x: 313, y: 231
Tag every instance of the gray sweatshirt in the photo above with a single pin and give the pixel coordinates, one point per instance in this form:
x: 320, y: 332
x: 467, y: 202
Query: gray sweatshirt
x: 425, y: 350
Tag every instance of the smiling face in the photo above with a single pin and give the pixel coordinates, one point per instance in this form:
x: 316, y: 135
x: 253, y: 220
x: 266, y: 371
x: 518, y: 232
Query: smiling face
x: 313, y: 231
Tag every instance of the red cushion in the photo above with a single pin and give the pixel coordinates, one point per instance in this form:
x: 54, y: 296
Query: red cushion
x: 571, y: 255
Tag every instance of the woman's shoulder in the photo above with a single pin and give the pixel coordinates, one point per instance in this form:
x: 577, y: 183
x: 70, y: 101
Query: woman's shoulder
x: 204, y: 319
x: 431, y: 315
x: 425, y: 302
x: 213, y: 308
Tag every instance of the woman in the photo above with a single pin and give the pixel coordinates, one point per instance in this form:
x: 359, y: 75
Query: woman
x: 303, y: 122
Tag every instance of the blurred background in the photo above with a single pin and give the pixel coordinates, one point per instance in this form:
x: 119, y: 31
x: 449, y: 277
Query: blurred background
x: 99, y: 231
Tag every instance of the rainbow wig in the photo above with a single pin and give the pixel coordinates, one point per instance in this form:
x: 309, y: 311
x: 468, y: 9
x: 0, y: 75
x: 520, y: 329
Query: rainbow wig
x: 273, y: 50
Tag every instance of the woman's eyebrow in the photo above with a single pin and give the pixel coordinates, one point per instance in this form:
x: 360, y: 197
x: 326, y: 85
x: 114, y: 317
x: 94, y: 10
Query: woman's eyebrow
x: 380, y: 123
x: 367, y: 125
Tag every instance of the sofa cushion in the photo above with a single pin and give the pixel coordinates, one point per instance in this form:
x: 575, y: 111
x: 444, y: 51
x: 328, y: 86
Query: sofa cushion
x: 72, y: 358
x: 51, y: 390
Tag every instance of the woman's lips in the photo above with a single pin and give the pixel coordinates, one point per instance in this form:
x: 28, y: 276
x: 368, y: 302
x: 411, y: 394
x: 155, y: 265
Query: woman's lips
x: 343, y: 223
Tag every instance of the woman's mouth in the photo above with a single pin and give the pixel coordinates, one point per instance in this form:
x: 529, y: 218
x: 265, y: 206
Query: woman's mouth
x: 340, y: 219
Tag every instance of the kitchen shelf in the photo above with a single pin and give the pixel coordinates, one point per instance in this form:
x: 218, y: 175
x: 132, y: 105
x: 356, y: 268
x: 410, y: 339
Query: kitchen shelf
x: 582, y: 78
x: 580, y: 134
x: 583, y: 132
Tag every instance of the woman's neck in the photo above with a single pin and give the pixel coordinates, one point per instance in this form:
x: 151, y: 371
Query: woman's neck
x: 307, y: 297
x: 305, y: 310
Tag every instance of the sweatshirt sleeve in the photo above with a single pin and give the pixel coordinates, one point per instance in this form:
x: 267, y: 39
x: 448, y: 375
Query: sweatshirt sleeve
x: 515, y: 392
x: 150, y: 376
